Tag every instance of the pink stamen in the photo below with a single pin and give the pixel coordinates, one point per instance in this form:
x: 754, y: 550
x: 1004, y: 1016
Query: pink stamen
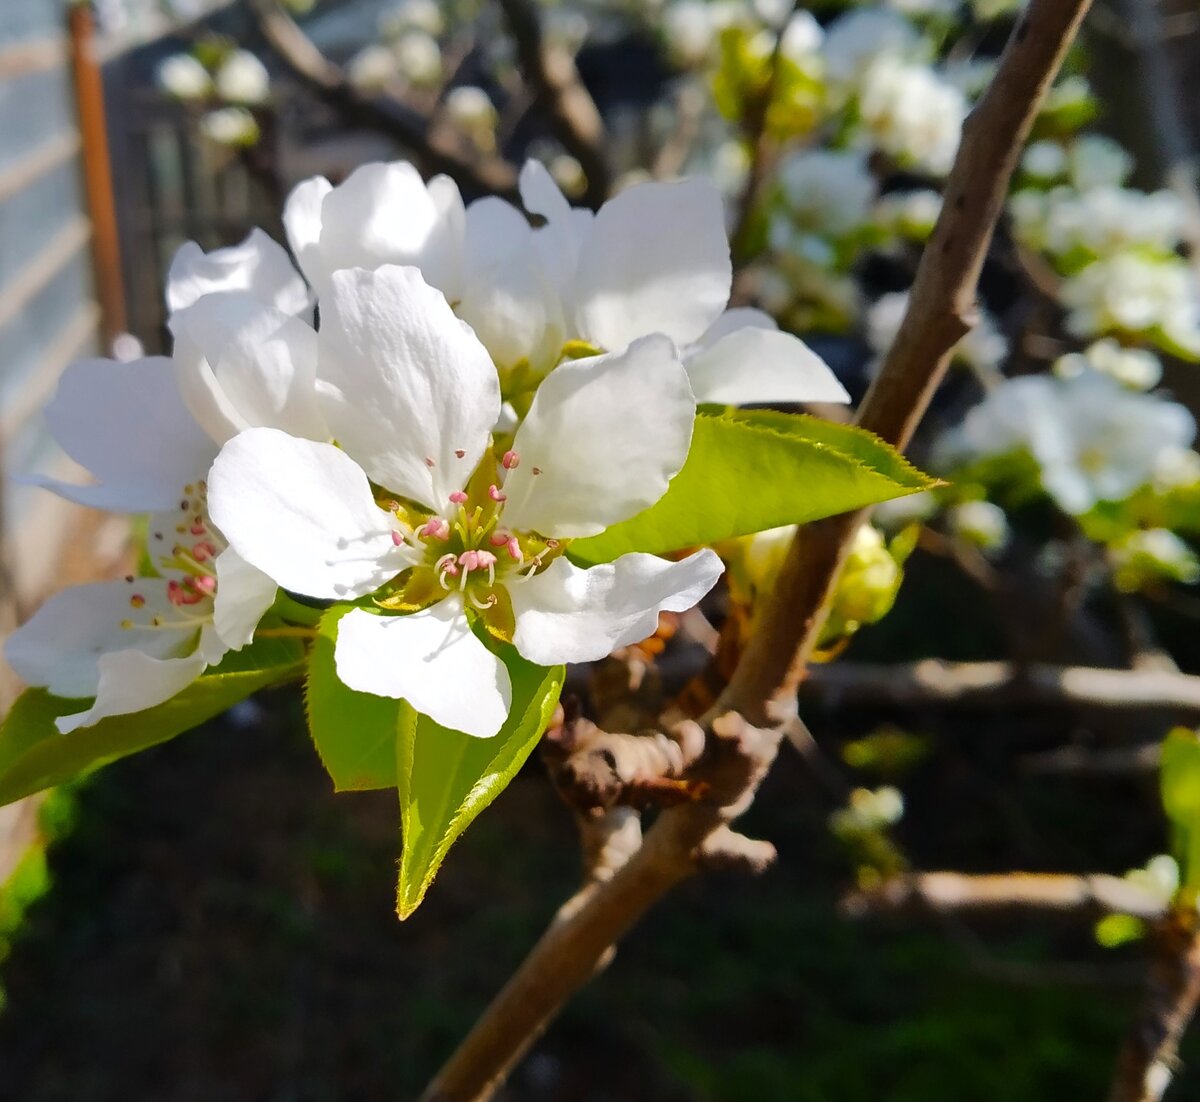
x: 436, y: 528
x: 179, y: 594
x: 496, y: 494
x: 198, y: 529
x: 514, y: 548
x: 203, y: 551
x: 397, y: 538
x: 206, y: 583
x: 510, y: 460
x: 499, y: 539
x: 469, y: 560
x: 484, y: 559
x: 458, y: 497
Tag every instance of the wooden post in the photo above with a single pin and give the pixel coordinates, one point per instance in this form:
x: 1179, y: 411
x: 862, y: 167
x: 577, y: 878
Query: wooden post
x: 97, y: 172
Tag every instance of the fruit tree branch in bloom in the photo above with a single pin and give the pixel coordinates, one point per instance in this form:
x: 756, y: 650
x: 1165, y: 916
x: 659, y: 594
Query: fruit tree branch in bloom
x: 940, y: 310
x: 745, y: 726
x: 440, y: 148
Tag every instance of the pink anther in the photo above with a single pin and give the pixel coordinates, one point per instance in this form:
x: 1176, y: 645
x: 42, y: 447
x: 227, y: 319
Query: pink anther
x: 496, y: 494
x: 510, y: 460
x: 458, y: 497
x: 436, y: 528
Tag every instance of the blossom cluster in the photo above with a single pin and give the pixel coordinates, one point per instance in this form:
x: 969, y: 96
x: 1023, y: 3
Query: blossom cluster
x: 478, y: 393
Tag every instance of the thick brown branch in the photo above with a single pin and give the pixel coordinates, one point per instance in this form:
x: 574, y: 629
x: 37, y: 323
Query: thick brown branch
x: 550, y: 71
x: 741, y: 750
x: 1087, y: 897
x: 440, y: 148
x: 1149, y: 1056
x: 932, y: 683
x: 570, y: 951
x: 941, y: 309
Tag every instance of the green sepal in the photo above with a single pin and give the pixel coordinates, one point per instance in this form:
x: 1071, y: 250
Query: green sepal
x: 447, y: 778
x: 750, y: 470
x: 354, y: 733
x: 34, y: 755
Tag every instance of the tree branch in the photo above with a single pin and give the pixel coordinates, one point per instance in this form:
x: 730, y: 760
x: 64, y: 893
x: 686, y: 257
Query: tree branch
x: 942, y: 893
x: 739, y: 750
x: 550, y: 71
x: 932, y: 683
x: 941, y: 309
x: 440, y: 147
x: 1150, y: 1053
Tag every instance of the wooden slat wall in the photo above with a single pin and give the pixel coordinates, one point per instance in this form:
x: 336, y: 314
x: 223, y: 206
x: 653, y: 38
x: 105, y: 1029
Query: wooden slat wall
x: 48, y: 312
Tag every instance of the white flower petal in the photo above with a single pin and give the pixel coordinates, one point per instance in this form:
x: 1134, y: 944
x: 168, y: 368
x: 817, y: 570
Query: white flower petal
x: 244, y: 593
x: 442, y: 257
x: 505, y: 298
x: 606, y: 435
x: 432, y: 660
x: 568, y: 614
x: 540, y: 194
x: 257, y: 265
x: 303, y: 514
x: 131, y: 681
x: 242, y: 364
x: 128, y: 425
x: 762, y: 365
x: 656, y: 261
x: 734, y: 319
x: 59, y: 647
x: 384, y: 214
x: 411, y: 385
x: 302, y: 221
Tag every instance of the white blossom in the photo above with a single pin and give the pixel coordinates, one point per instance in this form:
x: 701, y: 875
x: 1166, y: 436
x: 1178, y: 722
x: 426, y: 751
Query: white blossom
x: 418, y: 58
x: 411, y: 395
x: 258, y: 265
x: 982, y: 523
x: 233, y: 126
x: 1098, y: 161
x: 242, y: 78
x: 1136, y: 368
x: 827, y: 191
x: 182, y: 76
x: 373, y: 68
x: 1129, y: 293
x: 1093, y: 440
x: 1045, y: 160
x: 912, y: 114
x: 856, y: 39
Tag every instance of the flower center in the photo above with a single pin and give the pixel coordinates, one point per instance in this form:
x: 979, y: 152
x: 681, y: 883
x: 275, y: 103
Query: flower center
x: 185, y: 552
x: 467, y: 549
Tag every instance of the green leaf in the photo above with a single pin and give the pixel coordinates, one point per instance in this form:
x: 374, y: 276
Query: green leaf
x: 1179, y: 780
x: 750, y: 470
x: 354, y: 733
x: 447, y: 778
x: 33, y: 755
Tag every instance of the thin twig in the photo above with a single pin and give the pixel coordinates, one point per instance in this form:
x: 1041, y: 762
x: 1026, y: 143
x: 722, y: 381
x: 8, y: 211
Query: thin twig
x: 439, y: 147
x: 763, y: 147
x: 1089, y: 896
x: 549, y: 69
x: 934, y: 684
